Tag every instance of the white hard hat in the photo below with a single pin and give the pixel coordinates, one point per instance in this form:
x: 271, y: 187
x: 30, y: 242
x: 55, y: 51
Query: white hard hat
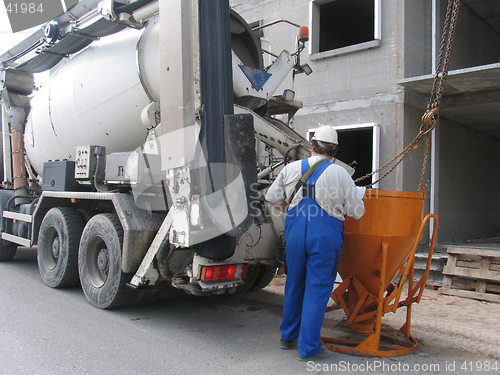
x: 326, y: 133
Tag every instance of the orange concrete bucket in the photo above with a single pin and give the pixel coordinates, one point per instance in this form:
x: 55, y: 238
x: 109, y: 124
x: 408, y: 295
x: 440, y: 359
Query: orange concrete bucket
x: 393, y: 216
x: 377, y: 247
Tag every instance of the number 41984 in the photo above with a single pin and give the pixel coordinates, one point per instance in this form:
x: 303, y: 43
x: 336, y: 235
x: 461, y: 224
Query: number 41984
x: 480, y: 366
x: 24, y: 8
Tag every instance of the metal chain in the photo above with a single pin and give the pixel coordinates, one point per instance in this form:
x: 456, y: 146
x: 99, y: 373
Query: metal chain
x: 444, y: 52
x: 397, y: 159
x: 421, y: 186
x: 440, y: 75
x: 430, y: 116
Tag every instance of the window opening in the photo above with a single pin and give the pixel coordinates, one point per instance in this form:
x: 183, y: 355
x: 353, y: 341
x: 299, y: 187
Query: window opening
x: 359, y: 147
x: 345, y: 22
x: 344, y: 26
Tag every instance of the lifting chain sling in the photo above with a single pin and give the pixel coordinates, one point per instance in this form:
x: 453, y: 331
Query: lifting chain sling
x: 431, y: 115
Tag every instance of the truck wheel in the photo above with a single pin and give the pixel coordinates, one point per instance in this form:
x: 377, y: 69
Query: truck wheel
x: 253, y: 272
x: 85, y: 214
x: 100, y: 263
x: 264, y: 278
x: 258, y: 277
x: 7, y: 250
x: 58, y: 242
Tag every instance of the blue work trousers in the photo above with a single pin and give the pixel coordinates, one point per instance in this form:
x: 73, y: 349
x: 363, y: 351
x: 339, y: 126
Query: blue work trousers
x: 313, y: 243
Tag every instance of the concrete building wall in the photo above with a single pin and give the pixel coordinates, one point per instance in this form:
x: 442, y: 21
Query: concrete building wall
x: 467, y: 202
x: 417, y: 38
x: 414, y: 107
x: 476, y: 43
x: 385, y: 110
x: 417, y: 61
x: 468, y: 199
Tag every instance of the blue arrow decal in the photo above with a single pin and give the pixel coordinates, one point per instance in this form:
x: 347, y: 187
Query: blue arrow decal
x: 257, y: 78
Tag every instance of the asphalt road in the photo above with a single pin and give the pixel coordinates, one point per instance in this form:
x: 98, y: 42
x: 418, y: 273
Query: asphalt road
x: 48, y: 331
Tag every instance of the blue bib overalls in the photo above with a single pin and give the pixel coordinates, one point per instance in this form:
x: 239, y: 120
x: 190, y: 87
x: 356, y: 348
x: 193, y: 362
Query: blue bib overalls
x: 313, y: 243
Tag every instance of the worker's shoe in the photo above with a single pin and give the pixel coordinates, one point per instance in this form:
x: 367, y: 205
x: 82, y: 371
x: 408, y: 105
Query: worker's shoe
x: 288, y: 344
x: 322, y: 354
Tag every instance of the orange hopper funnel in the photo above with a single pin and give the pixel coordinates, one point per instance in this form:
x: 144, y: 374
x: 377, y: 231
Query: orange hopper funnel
x: 390, y: 216
x: 377, y: 247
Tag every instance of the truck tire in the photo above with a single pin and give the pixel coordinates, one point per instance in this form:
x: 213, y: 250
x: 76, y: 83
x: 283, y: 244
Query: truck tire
x: 252, y: 273
x: 7, y: 250
x: 258, y: 277
x: 264, y: 278
x: 86, y: 214
x: 100, y: 263
x: 58, y: 242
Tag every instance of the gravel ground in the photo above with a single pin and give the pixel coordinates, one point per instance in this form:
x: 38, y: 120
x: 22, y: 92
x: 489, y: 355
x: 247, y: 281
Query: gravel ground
x: 440, y: 323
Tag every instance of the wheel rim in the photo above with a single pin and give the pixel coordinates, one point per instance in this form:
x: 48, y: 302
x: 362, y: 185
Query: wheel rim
x: 51, y: 248
x: 56, y: 248
x: 98, y: 261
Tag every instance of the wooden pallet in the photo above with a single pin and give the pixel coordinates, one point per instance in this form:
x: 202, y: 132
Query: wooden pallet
x: 472, y: 273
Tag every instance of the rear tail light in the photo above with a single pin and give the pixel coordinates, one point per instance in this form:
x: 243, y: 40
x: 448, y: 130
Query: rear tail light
x: 210, y: 274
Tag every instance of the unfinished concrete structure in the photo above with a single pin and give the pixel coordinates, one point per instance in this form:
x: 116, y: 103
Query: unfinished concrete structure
x: 373, y: 64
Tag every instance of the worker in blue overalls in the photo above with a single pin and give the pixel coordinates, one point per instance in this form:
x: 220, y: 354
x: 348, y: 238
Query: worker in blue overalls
x: 313, y: 238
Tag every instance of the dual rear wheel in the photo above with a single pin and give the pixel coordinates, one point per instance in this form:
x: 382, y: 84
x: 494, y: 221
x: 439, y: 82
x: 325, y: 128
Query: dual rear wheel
x: 73, y: 247
x: 69, y: 250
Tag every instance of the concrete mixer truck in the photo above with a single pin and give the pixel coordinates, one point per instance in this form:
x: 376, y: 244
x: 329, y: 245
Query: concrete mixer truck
x: 143, y: 158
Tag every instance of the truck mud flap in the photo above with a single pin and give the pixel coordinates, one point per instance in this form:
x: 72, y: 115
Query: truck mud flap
x: 234, y: 181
